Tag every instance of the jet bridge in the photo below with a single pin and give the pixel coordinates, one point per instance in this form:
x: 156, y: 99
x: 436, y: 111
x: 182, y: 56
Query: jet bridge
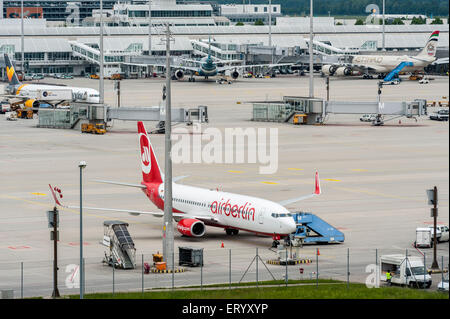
x: 315, y: 110
x: 72, y: 116
x: 122, y: 253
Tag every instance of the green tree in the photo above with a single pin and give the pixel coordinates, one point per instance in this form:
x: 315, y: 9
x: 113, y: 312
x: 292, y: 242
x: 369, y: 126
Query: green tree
x: 239, y: 23
x: 359, y: 22
x: 418, y: 20
x: 397, y: 21
x: 339, y: 23
x: 259, y: 22
x: 437, y: 21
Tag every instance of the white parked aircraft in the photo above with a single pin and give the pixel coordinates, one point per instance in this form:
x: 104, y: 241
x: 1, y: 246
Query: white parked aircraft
x: 383, y: 64
x: 195, y: 207
x: 30, y: 95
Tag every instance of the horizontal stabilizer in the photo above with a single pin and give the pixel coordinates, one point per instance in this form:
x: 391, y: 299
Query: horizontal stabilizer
x: 317, y: 191
x: 119, y: 183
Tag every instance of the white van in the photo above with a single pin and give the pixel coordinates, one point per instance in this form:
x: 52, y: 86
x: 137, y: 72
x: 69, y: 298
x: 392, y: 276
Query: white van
x: 442, y: 233
x: 405, y: 271
x: 424, y: 239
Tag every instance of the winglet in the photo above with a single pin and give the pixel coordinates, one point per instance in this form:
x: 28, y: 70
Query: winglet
x: 55, y: 197
x: 317, y: 190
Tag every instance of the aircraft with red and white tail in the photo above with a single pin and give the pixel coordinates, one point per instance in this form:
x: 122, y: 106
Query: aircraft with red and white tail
x: 195, y: 207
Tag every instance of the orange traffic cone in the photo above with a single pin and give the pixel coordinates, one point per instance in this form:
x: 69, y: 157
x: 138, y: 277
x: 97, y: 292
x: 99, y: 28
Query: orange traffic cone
x: 222, y: 246
x: 318, y: 252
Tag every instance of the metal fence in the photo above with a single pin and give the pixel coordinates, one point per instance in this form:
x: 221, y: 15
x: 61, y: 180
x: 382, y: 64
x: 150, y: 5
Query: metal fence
x: 221, y: 266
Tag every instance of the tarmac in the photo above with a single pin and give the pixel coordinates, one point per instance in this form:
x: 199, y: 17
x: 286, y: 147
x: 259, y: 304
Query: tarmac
x: 374, y: 182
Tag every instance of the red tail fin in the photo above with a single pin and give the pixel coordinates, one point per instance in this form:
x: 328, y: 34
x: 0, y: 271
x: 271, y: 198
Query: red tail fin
x: 150, y: 168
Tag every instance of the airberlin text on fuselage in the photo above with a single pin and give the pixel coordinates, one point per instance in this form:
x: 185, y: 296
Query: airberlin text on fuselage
x: 235, y: 211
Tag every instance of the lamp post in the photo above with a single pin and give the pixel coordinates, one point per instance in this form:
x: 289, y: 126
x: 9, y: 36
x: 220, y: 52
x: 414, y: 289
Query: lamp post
x: 270, y: 30
x: 81, y: 166
x: 384, y: 40
x: 168, y: 249
x: 22, y: 40
x: 101, y: 79
x: 311, y: 54
x: 150, y: 27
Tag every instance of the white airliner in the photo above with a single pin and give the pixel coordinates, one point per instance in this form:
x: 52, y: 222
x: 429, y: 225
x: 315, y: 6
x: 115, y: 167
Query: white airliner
x: 383, y: 64
x: 29, y: 94
x: 195, y: 207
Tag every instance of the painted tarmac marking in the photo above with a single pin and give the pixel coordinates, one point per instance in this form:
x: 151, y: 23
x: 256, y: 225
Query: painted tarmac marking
x: 295, y: 169
x: 235, y: 171
x: 78, y: 244
x: 332, y: 180
x: 377, y: 194
x: 359, y: 170
x: 39, y: 194
x: 18, y: 247
x: 270, y: 183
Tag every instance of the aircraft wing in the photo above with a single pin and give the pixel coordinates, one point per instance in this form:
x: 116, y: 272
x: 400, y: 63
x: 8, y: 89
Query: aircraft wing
x: 233, y: 67
x: 55, y: 190
x: 317, y: 191
x: 183, y: 67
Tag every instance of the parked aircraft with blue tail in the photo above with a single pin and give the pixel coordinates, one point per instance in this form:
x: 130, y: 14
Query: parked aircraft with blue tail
x: 385, y: 64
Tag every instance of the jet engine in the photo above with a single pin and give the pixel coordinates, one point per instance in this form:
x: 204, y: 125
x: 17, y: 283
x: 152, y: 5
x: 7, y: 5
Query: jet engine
x: 31, y: 104
x: 343, y: 70
x: 235, y: 74
x: 179, y: 74
x: 328, y: 69
x: 191, y: 227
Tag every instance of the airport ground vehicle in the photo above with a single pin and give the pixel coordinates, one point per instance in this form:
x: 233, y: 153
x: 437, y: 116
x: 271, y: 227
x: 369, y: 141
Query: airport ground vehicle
x: 37, y: 76
x: 299, y: 119
x: 441, y: 115
x: 424, y: 238
x: 4, y: 107
x: 406, y: 271
x: 26, y: 113
x: 94, y: 76
x: 368, y: 118
x: 98, y: 128
x: 11, y: 116
x: 442, y: 233
x: 415, y: 77
x: 393, y: 82
x: 424, y: 81
x: 66, y: 76
x: 116, y: 76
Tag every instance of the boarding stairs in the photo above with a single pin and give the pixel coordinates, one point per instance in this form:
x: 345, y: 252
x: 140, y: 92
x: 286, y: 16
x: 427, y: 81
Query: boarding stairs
x: 313, y: 229
x: 122, y: 251
x: 396, y: 71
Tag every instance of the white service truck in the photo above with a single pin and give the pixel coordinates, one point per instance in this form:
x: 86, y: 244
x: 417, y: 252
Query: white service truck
x: 406, y: 271
x: 424, y: 239
x: 442, y: 233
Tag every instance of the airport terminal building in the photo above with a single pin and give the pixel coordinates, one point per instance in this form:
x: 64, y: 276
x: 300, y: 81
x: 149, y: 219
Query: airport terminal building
x: 51, y: 45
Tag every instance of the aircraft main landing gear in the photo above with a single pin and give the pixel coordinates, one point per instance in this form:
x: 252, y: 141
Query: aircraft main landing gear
x: 231, y: 231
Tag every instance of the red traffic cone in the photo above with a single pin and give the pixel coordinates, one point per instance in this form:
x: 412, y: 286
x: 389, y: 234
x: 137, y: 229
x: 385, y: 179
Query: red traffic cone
x: 318, y: 252
x: 222, y: 246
